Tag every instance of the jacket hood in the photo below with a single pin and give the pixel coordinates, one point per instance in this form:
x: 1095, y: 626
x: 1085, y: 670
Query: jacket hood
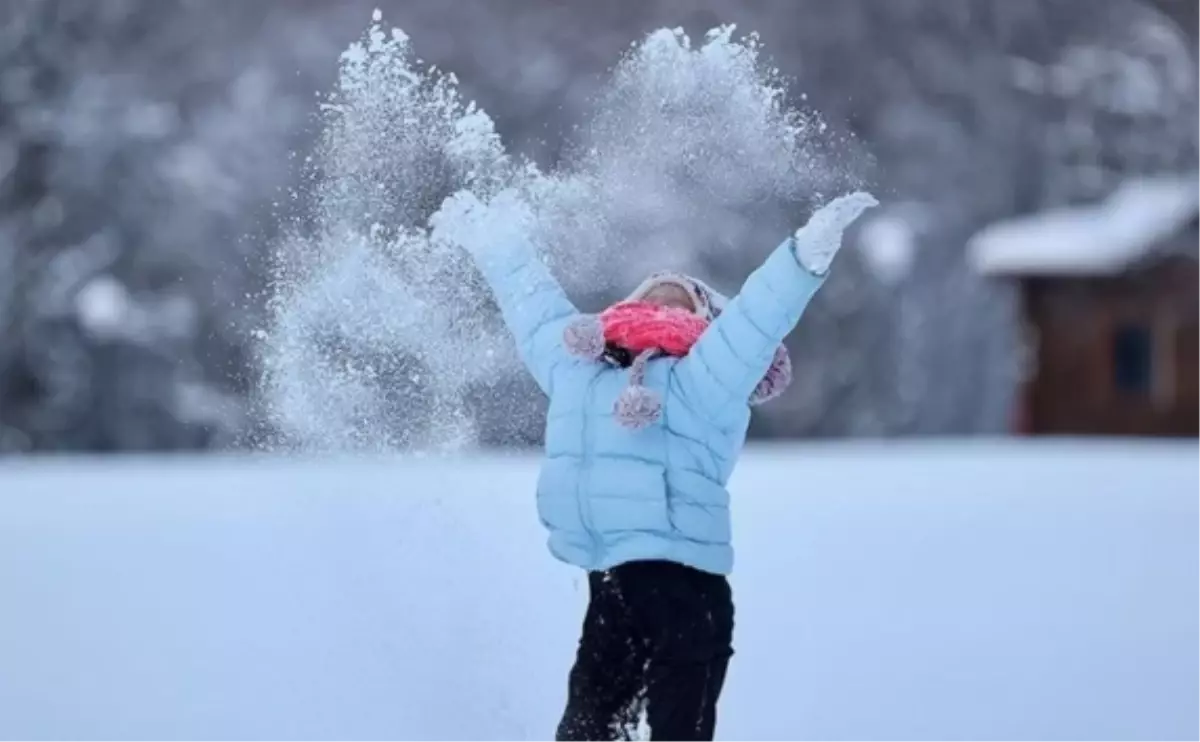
x: 708, y: 302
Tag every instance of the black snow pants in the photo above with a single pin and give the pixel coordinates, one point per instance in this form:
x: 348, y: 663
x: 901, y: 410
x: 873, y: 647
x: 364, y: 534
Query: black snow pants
x: 656, y: 642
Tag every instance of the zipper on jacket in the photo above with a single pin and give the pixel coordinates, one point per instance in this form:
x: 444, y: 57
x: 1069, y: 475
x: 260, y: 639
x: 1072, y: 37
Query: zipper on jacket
x: 585, y: 474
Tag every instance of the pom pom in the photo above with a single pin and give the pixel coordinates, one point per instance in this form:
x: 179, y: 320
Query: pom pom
x: 776, y: 380
x: 585, y: 337
x: 637, y: 407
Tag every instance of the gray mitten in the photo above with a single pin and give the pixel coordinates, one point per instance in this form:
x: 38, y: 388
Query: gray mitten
x: 465, y: 220
x: 817, y: 242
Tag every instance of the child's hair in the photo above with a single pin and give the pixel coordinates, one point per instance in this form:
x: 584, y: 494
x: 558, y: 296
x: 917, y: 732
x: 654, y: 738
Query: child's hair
x: 617, y: 355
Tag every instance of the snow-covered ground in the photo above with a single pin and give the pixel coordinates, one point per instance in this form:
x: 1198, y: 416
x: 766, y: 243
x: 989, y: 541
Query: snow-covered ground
x: 954, y: 590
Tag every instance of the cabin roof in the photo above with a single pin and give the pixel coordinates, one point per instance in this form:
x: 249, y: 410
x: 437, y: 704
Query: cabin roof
x: 1106, y: 238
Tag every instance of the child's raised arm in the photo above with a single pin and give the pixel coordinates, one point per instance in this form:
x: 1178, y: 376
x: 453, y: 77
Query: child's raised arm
x: 722, y: 369
x: 533, y: 305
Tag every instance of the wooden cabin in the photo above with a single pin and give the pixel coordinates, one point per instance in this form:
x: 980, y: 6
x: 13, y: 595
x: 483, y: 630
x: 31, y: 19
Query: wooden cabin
x: 1110, y: 311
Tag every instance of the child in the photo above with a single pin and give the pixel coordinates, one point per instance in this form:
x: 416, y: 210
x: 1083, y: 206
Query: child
x: 632, y: 488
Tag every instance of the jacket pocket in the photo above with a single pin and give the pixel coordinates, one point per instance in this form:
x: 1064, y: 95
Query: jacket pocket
x: 628, y: 495
x: 557, y: 494
x: 698, y: 508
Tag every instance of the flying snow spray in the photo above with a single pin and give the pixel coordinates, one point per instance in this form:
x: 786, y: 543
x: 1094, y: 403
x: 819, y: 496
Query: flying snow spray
x: 381, y: 336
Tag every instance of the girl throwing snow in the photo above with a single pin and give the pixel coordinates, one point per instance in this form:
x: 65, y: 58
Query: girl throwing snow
x: 649, y: 405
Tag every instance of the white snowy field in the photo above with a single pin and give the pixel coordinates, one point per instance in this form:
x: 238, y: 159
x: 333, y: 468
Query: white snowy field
x: 996, y: 590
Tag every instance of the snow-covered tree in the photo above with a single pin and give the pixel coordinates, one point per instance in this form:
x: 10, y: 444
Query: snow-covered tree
x: 970, y: 111
x: 976, y: 111
x: 138, y: 140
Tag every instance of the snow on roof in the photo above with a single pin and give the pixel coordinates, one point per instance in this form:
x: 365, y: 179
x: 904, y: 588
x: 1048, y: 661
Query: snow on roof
x: 1099, y: 239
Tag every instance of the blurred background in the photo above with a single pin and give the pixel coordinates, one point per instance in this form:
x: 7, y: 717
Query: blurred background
x: 1033, y: 270
x: 1031, y: 278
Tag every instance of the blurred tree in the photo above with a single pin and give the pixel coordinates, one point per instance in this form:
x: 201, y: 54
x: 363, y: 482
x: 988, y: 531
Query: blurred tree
x: 138, y: 141
x: 979, y: 110
x: 141, y: 139
x: 974, y: 110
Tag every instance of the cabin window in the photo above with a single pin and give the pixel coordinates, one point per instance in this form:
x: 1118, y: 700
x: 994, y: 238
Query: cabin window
x: 1144, y: 359
x: 1133, y: 359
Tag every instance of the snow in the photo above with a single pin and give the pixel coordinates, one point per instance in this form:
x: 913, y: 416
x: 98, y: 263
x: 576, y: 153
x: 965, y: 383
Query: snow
x: 108, y: 312
x: 1141, y: 70
x: 1089, y: 240
x: 888, y: 244
x: 983, y: 590
x: 103, y: 305
x: 688, y: 149
x: 367, y: 297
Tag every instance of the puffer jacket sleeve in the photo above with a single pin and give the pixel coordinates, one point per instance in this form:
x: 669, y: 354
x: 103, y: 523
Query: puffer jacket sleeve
x: 533, y: 305
x: 725, y: 365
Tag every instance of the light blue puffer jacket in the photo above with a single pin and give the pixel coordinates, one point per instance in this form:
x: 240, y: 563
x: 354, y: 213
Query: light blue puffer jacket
x: 608, y: 494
